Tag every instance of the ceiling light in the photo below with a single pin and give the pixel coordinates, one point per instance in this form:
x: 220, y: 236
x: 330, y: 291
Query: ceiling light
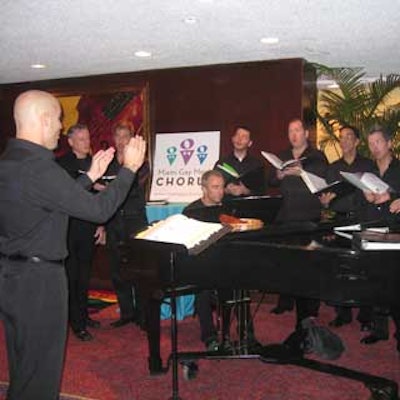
x: 190, y: 20
x: 38, y: 66
x: 142, y: 53
x: 269, y: 40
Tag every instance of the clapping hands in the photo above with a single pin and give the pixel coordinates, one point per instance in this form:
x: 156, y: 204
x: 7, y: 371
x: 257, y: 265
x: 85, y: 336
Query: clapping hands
x: 134, y: 153
x: 100, y: 162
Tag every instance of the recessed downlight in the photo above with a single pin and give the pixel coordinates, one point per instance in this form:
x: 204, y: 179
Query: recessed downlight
x: 38, y: 66
x: 142, y: 53
x: 190, y: 20
x: 269, y: 40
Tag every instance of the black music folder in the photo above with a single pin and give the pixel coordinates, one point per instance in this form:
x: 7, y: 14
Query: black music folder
x: 370, y: 240
x: 250, y: 179
x: 340, y: 188
x: 318, y: 185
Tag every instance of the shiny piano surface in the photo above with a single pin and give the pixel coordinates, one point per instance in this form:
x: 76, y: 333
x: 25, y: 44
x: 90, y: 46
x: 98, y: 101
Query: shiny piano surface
x: 305, y: 260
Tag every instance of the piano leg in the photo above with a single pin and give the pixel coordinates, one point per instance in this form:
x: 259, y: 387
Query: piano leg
x: 381, y: 388
x: 396, y: 320
x: 153, y: 335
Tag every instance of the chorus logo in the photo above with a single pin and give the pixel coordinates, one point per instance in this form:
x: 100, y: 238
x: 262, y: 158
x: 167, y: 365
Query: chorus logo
x: 187, y: 148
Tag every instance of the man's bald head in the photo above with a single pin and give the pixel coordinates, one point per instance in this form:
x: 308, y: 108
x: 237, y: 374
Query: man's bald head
x: 37, y: 118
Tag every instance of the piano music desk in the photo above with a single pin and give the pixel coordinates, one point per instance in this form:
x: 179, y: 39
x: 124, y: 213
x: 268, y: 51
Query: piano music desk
x: 185, y: 304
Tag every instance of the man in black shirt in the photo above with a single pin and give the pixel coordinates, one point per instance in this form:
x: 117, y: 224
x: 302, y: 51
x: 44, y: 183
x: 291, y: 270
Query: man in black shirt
x: 212, y: 185
x: 82, y: 237
x: 381, y: 207
x: 346, y: 206
x: 351, y: 161
x: 37, y: 196
x: 129, y: 219
x: 245, y: 164
x: 299, y: 204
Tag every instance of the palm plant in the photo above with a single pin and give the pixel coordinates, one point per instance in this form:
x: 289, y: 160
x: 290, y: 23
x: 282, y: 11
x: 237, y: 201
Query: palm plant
x: 358, y: 103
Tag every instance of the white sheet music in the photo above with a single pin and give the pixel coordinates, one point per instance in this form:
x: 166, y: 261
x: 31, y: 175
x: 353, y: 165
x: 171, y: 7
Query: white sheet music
x: 180, y: 229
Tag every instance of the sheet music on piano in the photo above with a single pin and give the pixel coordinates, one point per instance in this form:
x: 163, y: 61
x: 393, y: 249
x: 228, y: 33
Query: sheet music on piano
x: 193, y: 234
x: 372, y: 238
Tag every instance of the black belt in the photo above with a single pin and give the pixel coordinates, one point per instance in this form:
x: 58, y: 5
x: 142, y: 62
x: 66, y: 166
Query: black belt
x: 34, y: 259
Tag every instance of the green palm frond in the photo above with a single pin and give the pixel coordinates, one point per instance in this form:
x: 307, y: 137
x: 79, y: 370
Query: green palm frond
x: 357, y: 103
x: 380, y: 89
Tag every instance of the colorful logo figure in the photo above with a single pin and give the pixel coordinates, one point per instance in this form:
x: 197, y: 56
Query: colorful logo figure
x: 202, y: 153
x: 187, y: 149
x: 171, y: 154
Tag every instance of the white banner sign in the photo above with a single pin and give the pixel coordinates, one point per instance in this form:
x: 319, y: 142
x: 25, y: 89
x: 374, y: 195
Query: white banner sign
x: 179, y: 161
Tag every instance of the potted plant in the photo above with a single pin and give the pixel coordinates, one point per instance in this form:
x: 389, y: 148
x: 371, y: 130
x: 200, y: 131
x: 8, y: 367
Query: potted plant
x: 357, y: 102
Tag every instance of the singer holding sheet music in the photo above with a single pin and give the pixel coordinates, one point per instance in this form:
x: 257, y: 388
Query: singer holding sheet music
x: 351, y: 161
x: 381, y: 207
x: 386, y: 167
x: 299, y: 204
x: 245, y: 164
x: 345, y: 206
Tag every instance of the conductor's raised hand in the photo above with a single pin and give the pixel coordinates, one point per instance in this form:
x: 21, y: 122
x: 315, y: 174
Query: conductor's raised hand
x: 134, y: 153
x: 100, y: 162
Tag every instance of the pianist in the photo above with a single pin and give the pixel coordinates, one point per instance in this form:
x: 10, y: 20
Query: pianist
x: 212, y: 186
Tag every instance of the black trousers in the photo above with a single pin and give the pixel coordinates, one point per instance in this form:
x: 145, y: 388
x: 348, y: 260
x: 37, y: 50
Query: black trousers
x: 118, y: 232
x: 33, y: 307
x: 396, y: 319
x: 346, y: 314
x: 79, y: 266
x: 305, y: 308
x: 205, y: 302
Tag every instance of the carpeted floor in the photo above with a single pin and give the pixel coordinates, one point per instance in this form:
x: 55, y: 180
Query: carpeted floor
x: 114, y: 365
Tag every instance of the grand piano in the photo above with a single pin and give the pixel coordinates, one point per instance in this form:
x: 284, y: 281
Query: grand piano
x: 301, y: 259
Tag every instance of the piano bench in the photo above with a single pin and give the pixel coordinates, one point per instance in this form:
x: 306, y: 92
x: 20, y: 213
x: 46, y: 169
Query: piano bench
x: 181, y: 290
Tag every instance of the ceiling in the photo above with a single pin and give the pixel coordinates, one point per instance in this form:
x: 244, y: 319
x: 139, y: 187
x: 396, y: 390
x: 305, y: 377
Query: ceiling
x: 89, y: 37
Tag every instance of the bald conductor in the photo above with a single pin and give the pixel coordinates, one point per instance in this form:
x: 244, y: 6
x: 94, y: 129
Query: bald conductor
x: 37, y: 197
